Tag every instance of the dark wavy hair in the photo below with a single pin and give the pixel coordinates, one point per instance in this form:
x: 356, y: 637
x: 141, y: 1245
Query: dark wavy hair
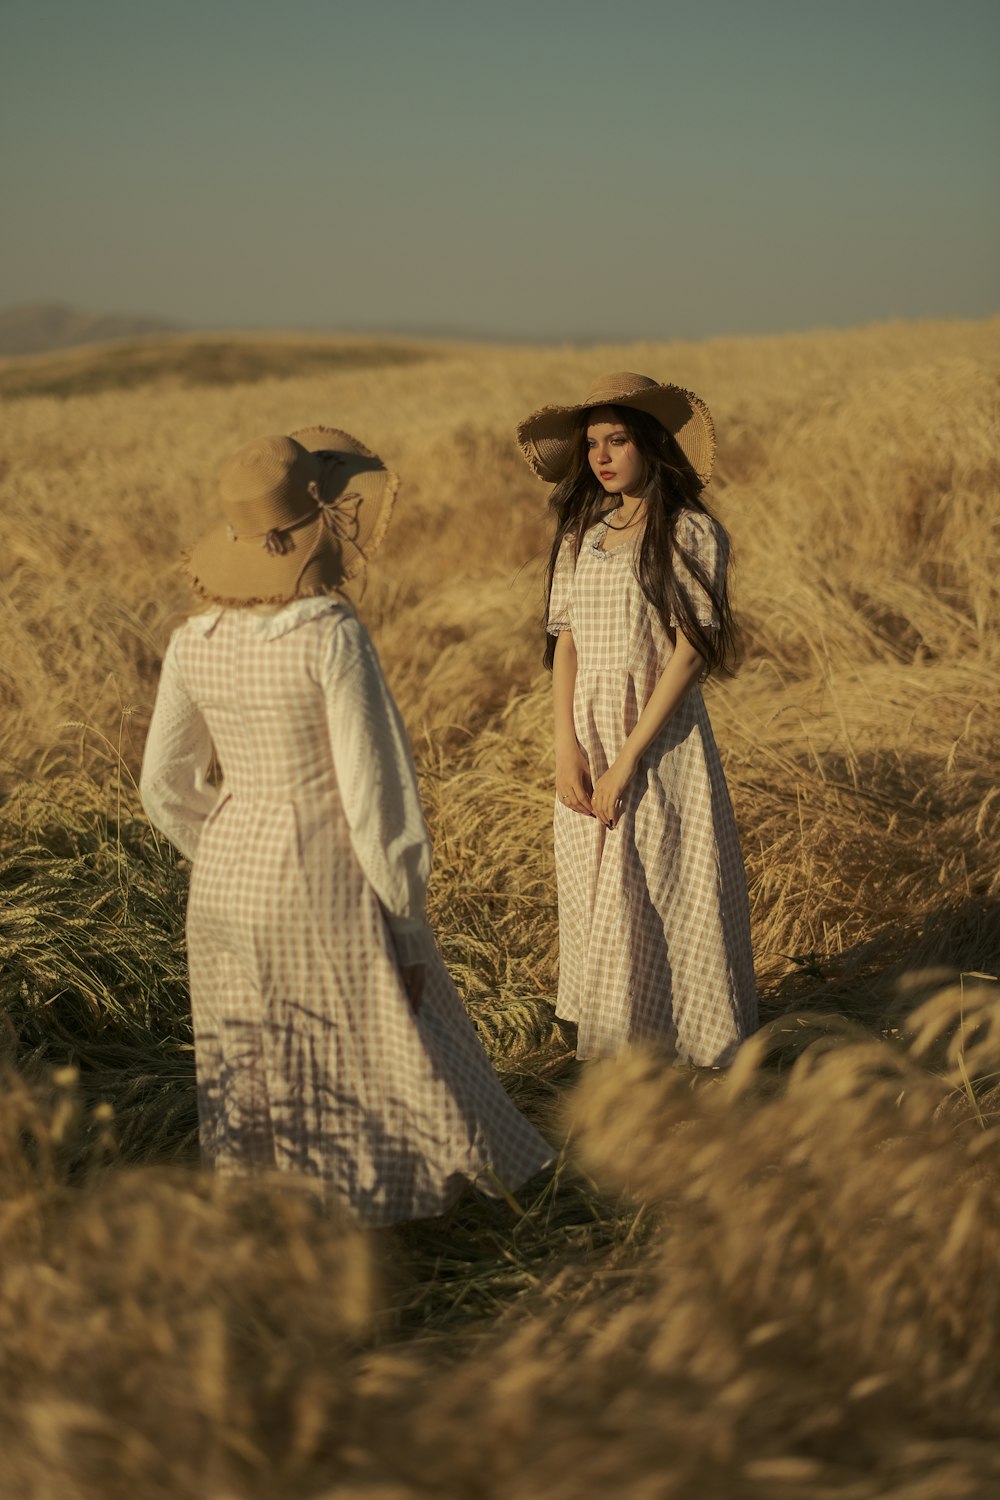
x: 669, y: 485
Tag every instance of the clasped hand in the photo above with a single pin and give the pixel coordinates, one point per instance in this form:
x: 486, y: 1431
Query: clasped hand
x: 600, y: 799
x: 573, y: 782
x: 609, y: 790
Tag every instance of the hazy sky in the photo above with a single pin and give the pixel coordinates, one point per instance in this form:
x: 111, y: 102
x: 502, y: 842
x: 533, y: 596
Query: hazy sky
x: 524, y: 168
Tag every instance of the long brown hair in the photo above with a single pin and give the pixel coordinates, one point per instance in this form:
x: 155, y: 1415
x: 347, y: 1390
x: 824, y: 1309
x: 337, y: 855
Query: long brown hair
x: 669, y: 486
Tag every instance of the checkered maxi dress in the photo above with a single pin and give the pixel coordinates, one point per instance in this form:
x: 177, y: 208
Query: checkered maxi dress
x: 310, y: 864
x: 654, y: 928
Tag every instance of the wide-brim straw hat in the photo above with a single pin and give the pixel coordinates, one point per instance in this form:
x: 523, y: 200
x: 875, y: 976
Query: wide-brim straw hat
x: 549, y: 438
x: 302, y: 514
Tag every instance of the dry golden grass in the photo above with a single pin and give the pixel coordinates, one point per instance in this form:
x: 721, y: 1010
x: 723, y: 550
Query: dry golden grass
x: 797, y: 1294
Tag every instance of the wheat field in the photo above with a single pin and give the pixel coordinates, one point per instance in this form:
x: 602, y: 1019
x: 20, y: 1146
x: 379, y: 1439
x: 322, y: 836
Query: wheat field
x: 777, y: 1284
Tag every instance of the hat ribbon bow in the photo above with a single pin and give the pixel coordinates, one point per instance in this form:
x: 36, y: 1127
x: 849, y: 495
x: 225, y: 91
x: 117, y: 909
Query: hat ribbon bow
x: 330, y: 513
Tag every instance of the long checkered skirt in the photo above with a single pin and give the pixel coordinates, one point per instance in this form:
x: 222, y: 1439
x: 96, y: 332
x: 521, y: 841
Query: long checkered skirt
x: 309, y: 1058
x: 654, y: 930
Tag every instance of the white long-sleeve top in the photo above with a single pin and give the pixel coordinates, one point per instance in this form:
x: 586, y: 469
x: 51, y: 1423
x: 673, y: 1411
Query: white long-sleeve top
x: 370, y: 753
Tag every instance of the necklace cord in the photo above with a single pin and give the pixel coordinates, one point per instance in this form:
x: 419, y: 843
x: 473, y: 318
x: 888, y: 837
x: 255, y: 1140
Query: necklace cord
x: 627, y: 527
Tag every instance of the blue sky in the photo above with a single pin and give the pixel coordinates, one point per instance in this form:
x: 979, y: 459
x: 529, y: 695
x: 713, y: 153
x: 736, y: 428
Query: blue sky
x: 545, y: 170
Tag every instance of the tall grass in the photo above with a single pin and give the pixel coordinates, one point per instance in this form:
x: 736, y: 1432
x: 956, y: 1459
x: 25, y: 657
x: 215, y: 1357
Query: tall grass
x: 776, y: 1284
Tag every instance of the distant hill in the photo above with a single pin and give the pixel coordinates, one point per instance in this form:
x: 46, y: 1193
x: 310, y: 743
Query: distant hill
x: 40, y: 326
x: 199, y: 359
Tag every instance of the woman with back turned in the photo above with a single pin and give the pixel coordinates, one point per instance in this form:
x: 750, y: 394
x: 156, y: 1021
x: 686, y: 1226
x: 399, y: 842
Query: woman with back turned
x: 329, y: 1039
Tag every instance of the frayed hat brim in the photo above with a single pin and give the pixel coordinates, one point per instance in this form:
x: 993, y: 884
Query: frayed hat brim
x: 548, y: 437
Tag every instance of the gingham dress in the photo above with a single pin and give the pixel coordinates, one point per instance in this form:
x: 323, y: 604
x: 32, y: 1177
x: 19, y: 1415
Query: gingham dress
x: 307, y: 891
x: 654, y: 931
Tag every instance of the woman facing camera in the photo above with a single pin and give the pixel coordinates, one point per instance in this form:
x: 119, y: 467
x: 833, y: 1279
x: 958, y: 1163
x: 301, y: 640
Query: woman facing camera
x: 654, y: 934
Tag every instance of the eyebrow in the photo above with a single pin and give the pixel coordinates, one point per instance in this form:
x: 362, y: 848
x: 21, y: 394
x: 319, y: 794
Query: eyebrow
x: 615, y: 432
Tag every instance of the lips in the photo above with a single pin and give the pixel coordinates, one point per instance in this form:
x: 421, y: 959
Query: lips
x: 606, y: 473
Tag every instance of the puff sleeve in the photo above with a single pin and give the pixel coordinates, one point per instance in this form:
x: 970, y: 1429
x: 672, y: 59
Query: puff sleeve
x: 173, y: 783
x: 702, y: 538
x: 562, y: 588
x: 377, y: 781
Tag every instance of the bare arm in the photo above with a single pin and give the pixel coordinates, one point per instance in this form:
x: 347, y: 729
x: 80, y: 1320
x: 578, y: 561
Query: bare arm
x: 573, y: 783
x: 676, y: 679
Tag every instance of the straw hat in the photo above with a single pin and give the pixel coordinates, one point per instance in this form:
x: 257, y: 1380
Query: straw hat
x: 302, y: 514
x: 548, y: 438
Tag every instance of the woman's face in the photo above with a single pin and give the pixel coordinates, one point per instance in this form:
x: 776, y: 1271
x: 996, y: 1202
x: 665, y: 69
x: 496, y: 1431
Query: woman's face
x: 613, y: 456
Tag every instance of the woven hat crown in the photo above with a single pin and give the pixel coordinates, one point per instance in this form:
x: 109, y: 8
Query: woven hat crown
x: 608, y: 389
x: 267, y: 482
